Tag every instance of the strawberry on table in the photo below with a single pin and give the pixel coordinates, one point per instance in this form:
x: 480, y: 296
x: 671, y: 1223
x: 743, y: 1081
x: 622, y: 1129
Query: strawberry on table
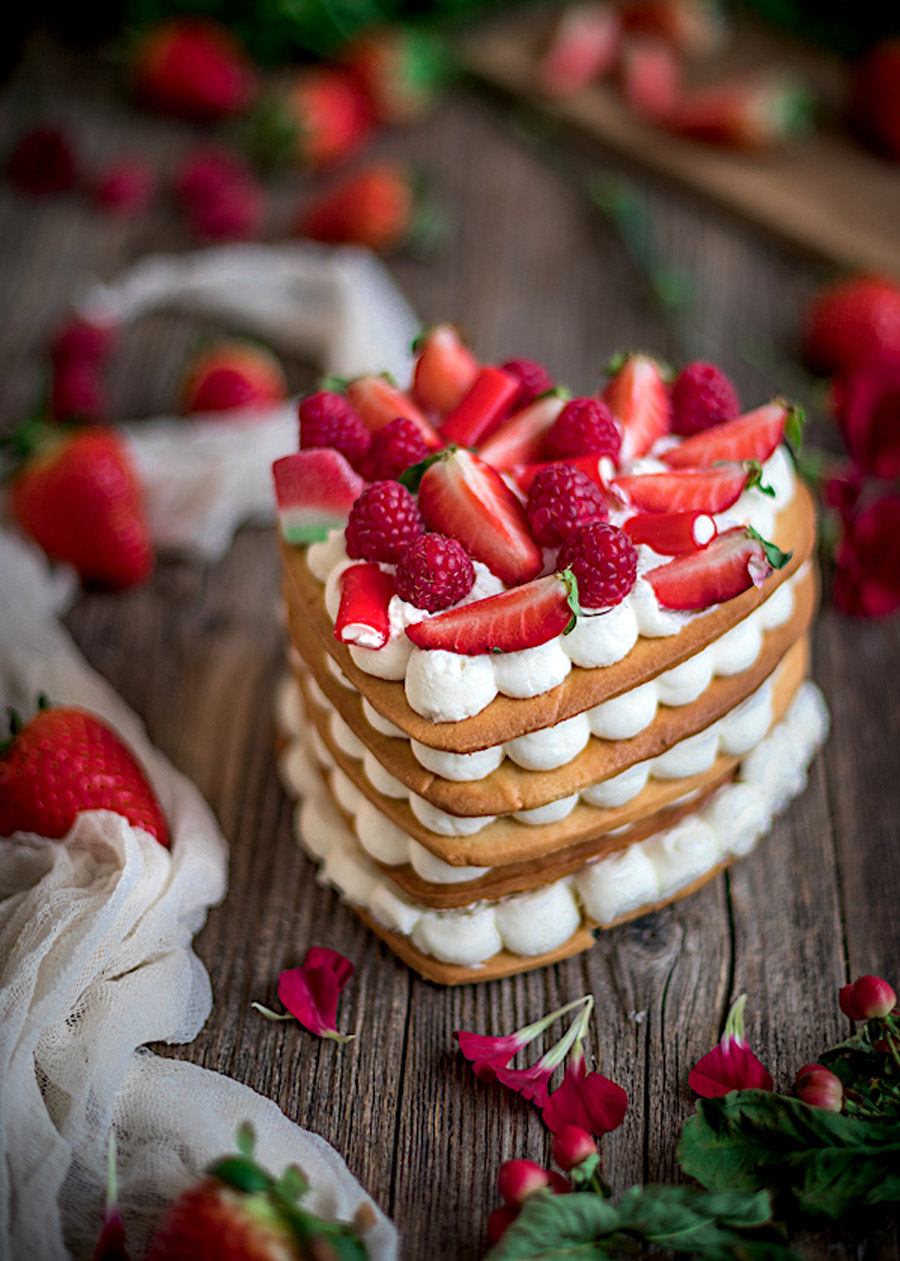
x: 752, y: 114
x: 78, y: 497
x: 583, y: 47
x: 401, y: 71
x: 734, y: 562
x: 192, y: 67
x: 854, y: 324
x: 464, y: 497
x: 520, y: 439
x: 363, y: 618
x: 65, y: 761
x: 378, y: 401
x: 753, y: 436
x: 479, y: 412
x: 315, y: 491
x: 445, y: 370
x: 233, y: 375
x: 373, y: 207
x: 650, y: 75
x: 671, y: 533
x: 636, y: 395
x: 329, y: 114
x: 691, y: 489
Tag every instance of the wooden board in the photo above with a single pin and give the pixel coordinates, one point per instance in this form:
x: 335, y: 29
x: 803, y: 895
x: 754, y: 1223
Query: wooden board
x: 824, y: 192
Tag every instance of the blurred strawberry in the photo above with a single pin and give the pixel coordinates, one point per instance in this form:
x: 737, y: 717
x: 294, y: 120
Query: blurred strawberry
x: 330, y: 113
x: 854, y: 323
x: 752, y: 114
x: 43, y: 162
x: 875, y: 102
x: 694, y: 27
x: 84, y: 340
x: 233, y: 375
x: 78, y: 392
x: 374, y: 207
x: 79, y: 498
x: 867, y: 562
x: 194, y: 68
x: 204, y: 172
x: 583, y: 47
x: 400, y: 70
x: 651, y: 77
x: 867, y: 410
x: 124, y: 188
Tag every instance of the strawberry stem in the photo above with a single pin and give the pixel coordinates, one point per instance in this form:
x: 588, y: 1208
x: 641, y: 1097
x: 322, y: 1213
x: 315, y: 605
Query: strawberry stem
x: 411, y: 478
x: 755, y: 481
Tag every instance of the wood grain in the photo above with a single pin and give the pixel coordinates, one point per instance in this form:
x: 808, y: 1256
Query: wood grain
x: 528, y: 270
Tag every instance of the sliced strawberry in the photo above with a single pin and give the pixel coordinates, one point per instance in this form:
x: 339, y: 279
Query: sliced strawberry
x: 672, y: 533
x: 483, y: 407
x: 637, y: 397
x: 462, y: 496
x: 753, y: 113
x: 753, y: 436
x: 689, y: 490
x: 378, y: 401
x: 523, y: 618
x: 651, y: 77
x: 524, y: 474
x: 582, y: 48
x: 519, y: 439
x: 363, y: 619
x: 445, y: 370
x: 737, y: 560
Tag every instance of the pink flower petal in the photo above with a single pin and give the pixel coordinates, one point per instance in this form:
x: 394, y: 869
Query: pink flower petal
x: 487, y: 1054
x: 531, y: 1083
x: 731, y: 1065
x: 310, y: 992
x: 589, y: 1100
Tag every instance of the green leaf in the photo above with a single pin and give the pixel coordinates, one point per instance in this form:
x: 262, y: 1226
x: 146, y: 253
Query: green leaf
x: 819, y: 1164
x: 243, y: 1174
x: 755, y: 481
x: 793, y: 428
x: 774, y: 555
x: 411, y: 478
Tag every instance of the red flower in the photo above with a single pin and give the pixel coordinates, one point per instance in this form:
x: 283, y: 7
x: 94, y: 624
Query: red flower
x: 867, y: 410
x: 731, y: 1065
x: 489, y: 1054
x: 867, y: 564
x: 310, y: 993
x: 868, y: 998
x: 588, y: 1100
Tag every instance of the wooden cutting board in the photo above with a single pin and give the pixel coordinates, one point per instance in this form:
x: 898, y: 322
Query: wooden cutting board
x: 824, y: 192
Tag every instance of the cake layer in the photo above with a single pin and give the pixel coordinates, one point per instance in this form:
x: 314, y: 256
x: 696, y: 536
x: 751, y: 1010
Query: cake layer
x: 505, y: 718
x: 387, y: 821
x: 526, y: 931
x: 510, y: 788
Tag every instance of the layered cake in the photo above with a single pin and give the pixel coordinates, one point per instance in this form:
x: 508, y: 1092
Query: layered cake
x: 549, y: 655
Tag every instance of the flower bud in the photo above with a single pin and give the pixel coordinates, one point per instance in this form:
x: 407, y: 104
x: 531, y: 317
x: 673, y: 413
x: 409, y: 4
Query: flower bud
x: 819, y: 1087
x: 572, y: 1146
x: 558, y: 1184
x: 518, y: 1179
x: 499, y: 1221
x: 867, y: 998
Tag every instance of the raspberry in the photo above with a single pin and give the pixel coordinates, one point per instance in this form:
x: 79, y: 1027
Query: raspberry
x: 330, y: 420
x: 396, y: 446
x: 383, y: 522
x: 604, y: 560
x: 435, y: 573
x: 561, y: 499
x: 702, y: 396
x: 534, y: 380
x: 585, y: 426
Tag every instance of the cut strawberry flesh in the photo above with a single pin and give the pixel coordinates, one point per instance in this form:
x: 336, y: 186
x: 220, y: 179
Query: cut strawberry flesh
x: 315, y: 491
x: 482, y: 409
x: 524, y: 474
x: 753, y: 436
x: 672, y: 533
x: 462, y: 496
x: 379, y: 402
x: 363, y: 618
x: 732, y: 564
x: 520, y: 439
x: 445, y: 370
x: 510, y: 622
x: 637, y: 397
x: 695, y: 489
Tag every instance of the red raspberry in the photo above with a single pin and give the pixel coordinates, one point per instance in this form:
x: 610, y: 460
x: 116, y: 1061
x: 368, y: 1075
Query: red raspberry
x: 702, y: 396
x: 435, y: 573
x: 534, y: 380
x: 396, y: 446
x: 330, y: 420
x: 383, y: 522
x: 561, y: 499
x: 585, y: 426
x: 604, y: 560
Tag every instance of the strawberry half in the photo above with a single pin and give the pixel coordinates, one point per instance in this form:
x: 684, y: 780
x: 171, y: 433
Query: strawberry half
x: 378, y: 401
x: 737, y: 560
x: 524, y: 474
x: 672, y: 533
x: 520, y: 439
x: 526, y: 617
x: 479, y: 413
x: 462, y: 496
x: 692, y: 489
x: 637, y: 397
x: 753, y: 436
x: 363, y: 619
x: 445, y: 370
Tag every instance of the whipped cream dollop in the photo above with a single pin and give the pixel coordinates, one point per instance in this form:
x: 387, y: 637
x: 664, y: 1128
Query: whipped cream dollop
x: 449, y: 687
x: 641, y: 875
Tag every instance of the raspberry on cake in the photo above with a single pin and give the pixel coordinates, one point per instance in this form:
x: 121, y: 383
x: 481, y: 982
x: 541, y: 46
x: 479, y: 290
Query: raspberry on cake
x: 552, y: 678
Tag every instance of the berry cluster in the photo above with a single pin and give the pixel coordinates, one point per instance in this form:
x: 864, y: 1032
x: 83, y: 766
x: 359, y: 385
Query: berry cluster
x: 573, y: 1149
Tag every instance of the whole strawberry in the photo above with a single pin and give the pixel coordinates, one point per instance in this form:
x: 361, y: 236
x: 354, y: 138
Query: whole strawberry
x: 78, y: 497
x: 239, y: 1212
x: 330, y: 115
x: 854, y: 324
x: 400, y: 70
x: 233, y: 375
x: 194, y: 68
x: 374, y: 207
x: 64, y: 761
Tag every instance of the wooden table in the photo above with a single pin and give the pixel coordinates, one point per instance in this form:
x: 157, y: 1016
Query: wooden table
x: 529, y: 269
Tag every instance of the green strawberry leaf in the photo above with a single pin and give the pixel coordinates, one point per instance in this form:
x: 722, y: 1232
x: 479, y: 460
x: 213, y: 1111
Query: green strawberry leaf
x: 818, y: 1164
x: 242, y: 1173
x: 774, y: 555
x: 411, y: 478
x: 793, y: 428
x: 570, y: 582
x: 755, y: 481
